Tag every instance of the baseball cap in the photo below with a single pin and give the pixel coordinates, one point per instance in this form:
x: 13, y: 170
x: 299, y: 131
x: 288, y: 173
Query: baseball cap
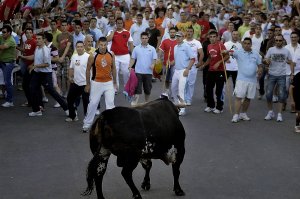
x: 179, y: 33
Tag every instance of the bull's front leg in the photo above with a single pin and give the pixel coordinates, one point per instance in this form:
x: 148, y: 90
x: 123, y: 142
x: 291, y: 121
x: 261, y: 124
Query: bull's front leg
x: 176, y: 171
x: 127, y: 174
x: 101, y: 169
x: 147, y: 165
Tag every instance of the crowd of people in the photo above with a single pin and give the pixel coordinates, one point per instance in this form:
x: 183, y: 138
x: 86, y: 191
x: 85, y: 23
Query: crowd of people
x: 77, y: 49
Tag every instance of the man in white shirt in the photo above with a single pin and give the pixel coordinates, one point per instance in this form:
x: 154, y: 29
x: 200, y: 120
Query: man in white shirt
x: 257, y: 38
x: 136, y: 30
x: 101, y: 20
x: 231, y: 64
x: 197, y: 52
x: 294, y: 48
x: 77, y: 78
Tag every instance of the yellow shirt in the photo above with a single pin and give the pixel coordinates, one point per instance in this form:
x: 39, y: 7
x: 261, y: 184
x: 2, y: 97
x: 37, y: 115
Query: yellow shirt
x: 183, y: 26
x: 54, y: 34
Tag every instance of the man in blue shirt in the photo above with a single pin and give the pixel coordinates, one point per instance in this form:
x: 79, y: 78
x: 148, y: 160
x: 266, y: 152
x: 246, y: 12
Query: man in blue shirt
x: 184, y: 60
x: 248, y: 61
x: 145, y: 56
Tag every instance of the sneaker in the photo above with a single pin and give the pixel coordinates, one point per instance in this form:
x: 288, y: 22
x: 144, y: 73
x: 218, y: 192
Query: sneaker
x: 279, y: 117
x: 270, y: 115
x: 188, y: 103
x: 217, y: 111
x: 71, y: 120
x: 208, y: 109
x: 7, y: 104
x: 45, y: 100
x: 97, y: 112
x: 33, y: 114
x: 165, y: 94
x: 235, y: 118
x: 244, y: 116
x: 67, y: 112
x: 25, y: 104
x: 259, y: 97
x: 182, y: 112
x: 85, y: 129
x: 57, y: 105
x: 297, y: 129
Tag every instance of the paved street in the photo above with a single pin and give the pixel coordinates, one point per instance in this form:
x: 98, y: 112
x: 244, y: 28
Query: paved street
x: 46, y: 158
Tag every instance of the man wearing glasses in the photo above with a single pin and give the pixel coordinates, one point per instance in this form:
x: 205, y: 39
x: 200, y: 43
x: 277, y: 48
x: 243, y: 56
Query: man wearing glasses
x: 277, y: 57
x: 7, y: 62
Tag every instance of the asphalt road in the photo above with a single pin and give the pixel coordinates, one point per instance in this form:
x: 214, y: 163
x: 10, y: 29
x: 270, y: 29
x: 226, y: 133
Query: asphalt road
x: 46, y: 158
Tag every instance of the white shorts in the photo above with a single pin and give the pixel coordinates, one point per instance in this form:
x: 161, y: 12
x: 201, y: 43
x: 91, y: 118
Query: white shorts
x: 245, y: 89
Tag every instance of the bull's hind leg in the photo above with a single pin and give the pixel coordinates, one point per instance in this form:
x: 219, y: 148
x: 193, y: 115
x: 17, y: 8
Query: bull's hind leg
x: 95, y: 172
x: 101, y: 169
x: 127, y: 174
x: 176, y: 171
x: 147, y: 164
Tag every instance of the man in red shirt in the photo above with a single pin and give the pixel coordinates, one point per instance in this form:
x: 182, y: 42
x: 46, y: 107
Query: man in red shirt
x: 215, y: 75
x: 26, y: 60
x: 167, y: 48
x: 121, y: 39
x: 205, y: 27
x: 7, y: 9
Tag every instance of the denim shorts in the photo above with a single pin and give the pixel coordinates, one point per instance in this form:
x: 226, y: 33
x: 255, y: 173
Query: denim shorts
x: 281, y: 84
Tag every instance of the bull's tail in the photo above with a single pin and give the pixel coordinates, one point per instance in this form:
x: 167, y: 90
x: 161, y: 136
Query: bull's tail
x: 91, y: 174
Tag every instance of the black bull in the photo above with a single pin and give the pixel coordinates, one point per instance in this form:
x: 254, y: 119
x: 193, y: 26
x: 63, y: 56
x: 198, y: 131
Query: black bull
x: 134, y: 135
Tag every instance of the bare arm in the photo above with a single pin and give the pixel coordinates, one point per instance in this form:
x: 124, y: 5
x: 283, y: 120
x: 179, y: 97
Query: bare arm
x: 130, y: 46
x: 110, y: 36
x: 200, y: 55
x: 131, y: 63
x: 71, y: 75
x: 114, y: 71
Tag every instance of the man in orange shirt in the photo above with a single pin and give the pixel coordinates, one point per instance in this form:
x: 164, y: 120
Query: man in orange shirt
x: 159, y: 20
x: 103, y: 81
x: 128, y: 21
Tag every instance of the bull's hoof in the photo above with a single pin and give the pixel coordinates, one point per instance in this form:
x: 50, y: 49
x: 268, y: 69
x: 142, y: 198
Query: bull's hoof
x: 179, y: 192
x: 146, y: 185
x: 137, y: 196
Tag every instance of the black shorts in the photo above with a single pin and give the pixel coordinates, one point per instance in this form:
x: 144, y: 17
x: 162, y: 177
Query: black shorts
x: 296, y: 91
x: 144, y: 80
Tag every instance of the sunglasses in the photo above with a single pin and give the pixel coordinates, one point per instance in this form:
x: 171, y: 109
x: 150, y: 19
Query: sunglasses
x: 178, y: 36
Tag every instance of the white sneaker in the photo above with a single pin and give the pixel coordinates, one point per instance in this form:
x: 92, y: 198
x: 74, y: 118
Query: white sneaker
x: 244, y: 116
x: 182, y: 112
x: 7, y: 104
x: 208, y: 109
x: 33, y: 114
x: 235, y: 118
x: 97, y: 112
x: 297, y: 129
x: 45, y: 100
x: 270, y: 115
x: 188, y: 103
x: 67, y: 112
x: 57, y: 105
x: 85, y: 129
x: 279, y: 117
x: 217, y: 111
x: 71, y: 120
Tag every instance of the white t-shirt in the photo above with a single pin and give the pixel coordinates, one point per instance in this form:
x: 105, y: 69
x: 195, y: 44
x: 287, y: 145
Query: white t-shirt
x: 295, y: 52
x: 79, y: 64
x: 231, y: 65
x: 195, y: 45
x: 287, y: 35
x: 256, y: 42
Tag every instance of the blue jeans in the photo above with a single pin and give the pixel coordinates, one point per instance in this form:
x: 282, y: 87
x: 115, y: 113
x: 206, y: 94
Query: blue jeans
x: 281, y: 84
x: 7, y: 69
